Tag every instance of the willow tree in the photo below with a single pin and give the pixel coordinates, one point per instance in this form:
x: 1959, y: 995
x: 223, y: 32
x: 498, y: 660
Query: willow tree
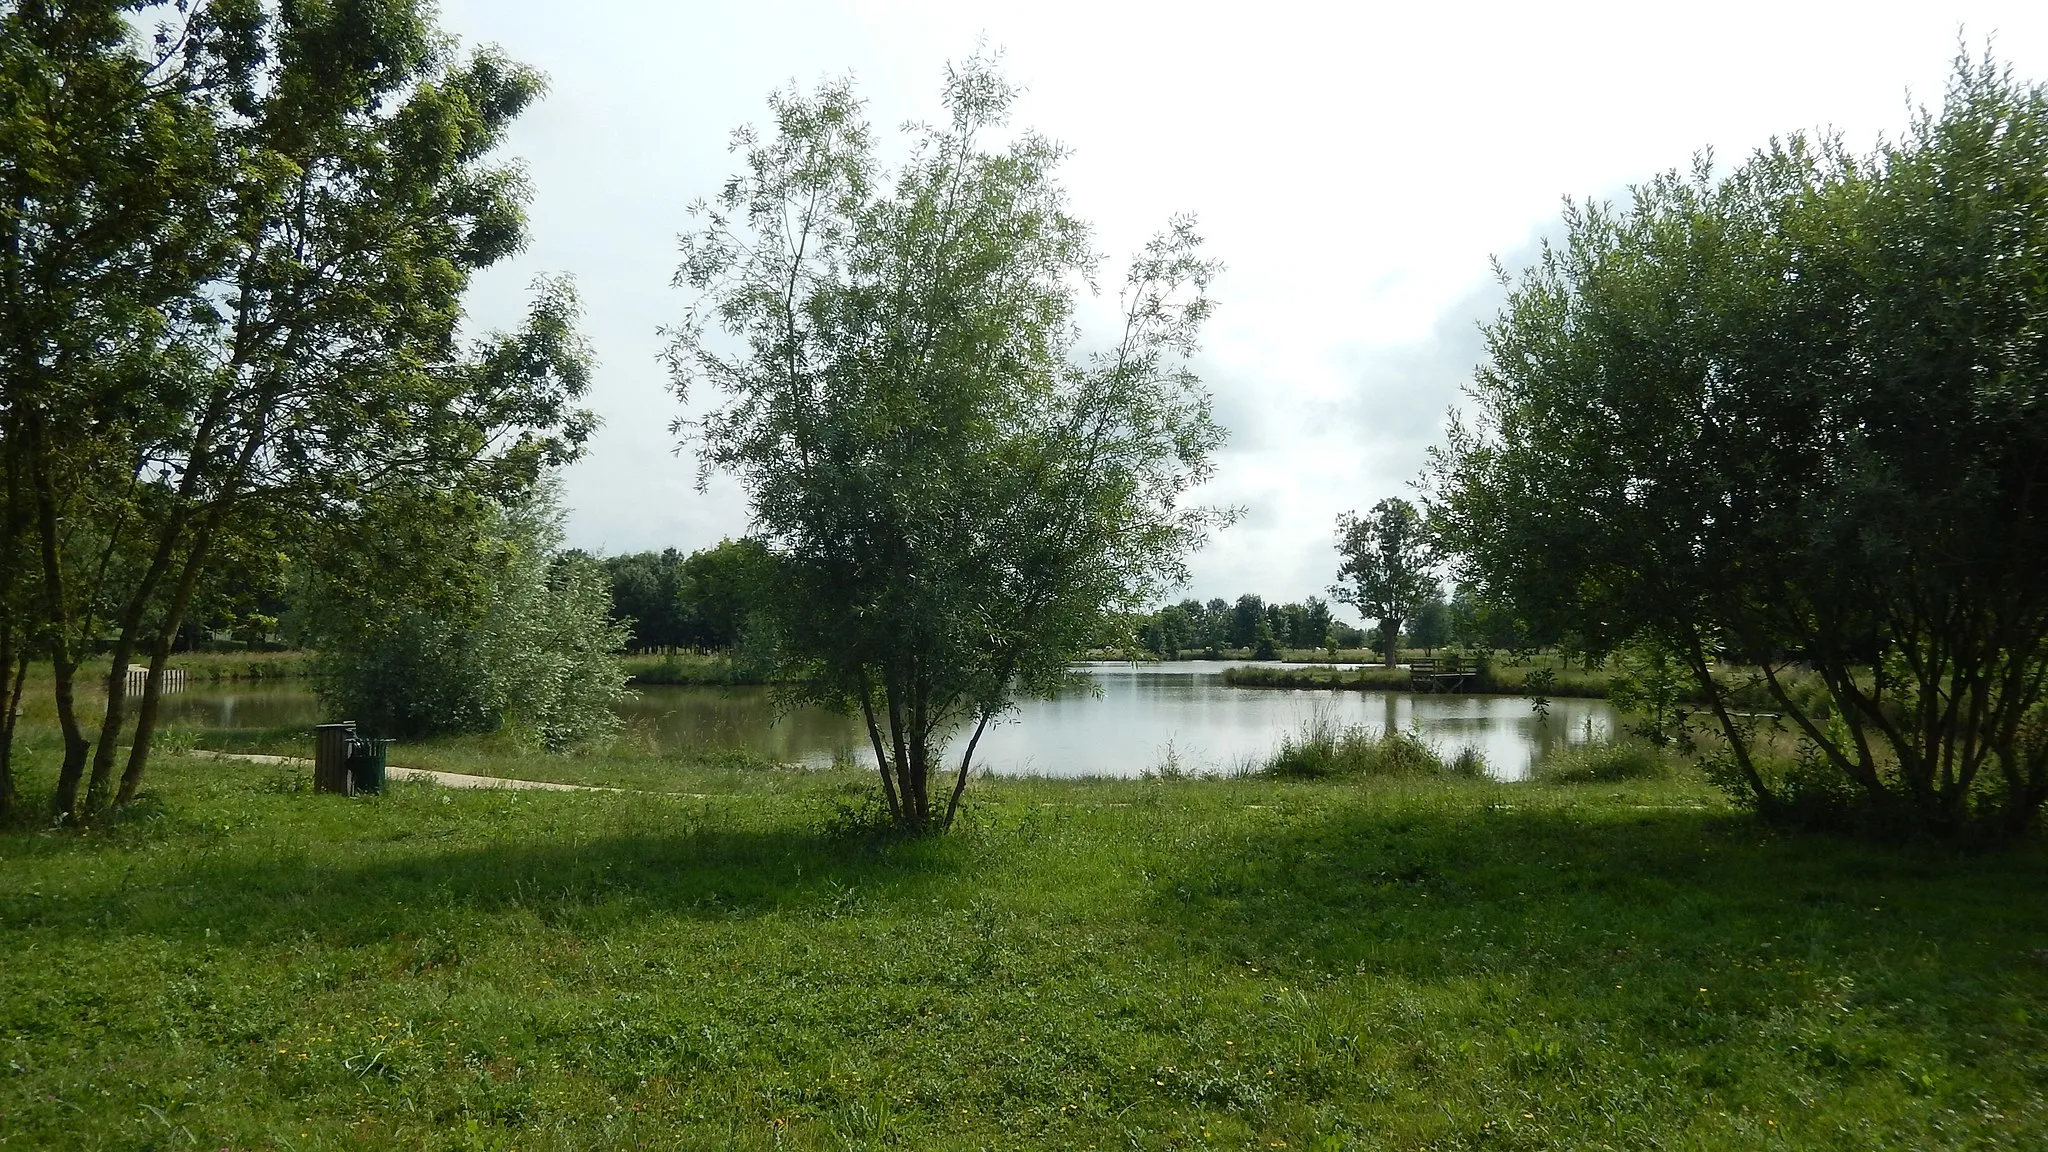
x: 959, y: 498
x: 1795, y: 417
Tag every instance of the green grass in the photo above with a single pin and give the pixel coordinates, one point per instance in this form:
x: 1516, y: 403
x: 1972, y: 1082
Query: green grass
x: 1324, y: 748
x: 218, y: 666
x: 1390, y: 963
x: 633, y: 759
x: 1370, y: 678
x: 1606, y: 762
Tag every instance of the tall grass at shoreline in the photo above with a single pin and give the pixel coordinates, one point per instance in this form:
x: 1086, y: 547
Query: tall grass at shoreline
x: 1323, y: 748
x: 688, y: 668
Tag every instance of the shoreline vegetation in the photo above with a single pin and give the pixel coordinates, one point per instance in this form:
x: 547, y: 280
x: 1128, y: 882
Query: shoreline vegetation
x: 709, y: 669
x: 1487, y: 681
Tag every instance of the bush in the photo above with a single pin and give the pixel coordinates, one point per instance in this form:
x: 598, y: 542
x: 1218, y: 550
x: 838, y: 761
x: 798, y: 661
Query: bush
x: 1325, y: 748
x: 530, y: 652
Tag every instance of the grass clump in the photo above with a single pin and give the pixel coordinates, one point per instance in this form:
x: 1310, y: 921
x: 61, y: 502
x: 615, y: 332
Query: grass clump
x: 1604, y: 761
x: 1324, y: 748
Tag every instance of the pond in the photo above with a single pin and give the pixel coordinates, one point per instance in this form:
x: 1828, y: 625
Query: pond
x: 1133, y: 719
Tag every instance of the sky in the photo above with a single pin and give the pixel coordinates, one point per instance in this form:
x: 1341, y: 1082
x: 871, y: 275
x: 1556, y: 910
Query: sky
x: 1357, y: 167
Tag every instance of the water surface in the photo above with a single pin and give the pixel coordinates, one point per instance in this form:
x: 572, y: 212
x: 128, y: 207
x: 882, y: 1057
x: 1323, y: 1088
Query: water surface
x: 1133, y: 719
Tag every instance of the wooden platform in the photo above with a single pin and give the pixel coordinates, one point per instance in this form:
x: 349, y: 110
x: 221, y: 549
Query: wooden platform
x: 1439, y: 675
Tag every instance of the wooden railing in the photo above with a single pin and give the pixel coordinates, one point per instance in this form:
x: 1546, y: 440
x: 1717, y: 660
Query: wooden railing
x: 1445, y: 675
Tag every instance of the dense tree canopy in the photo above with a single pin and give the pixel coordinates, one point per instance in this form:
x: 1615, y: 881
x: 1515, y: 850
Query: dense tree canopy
x: 959, y: 501
x: 494, y: 628
x: 1799, y: 416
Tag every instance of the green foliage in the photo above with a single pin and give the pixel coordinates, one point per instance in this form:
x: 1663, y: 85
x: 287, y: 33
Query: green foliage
x: 1385, y: 568
x: 703, y: 600
x: 1323, y: 747
x: 1263, y: 647
x: 530, y: 647
x: 1402, y: 962
x: 1245, y: 618
x: 234, y: 261
x: 1542, y: 674
x: 1793, y: 416
x: 959, y: 503
x: 1648, y: 684
x: 1431, y: 627
x: 689, y: 668
x: 1211, y: 628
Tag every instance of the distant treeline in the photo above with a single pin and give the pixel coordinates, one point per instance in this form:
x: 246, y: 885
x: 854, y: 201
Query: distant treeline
x: 1192, y: 626
x: 1250, y: 624
x: 671, y: 601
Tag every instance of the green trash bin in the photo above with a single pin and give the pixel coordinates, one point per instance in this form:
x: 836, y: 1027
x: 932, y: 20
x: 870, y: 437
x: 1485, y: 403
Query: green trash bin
x: 366, y: 765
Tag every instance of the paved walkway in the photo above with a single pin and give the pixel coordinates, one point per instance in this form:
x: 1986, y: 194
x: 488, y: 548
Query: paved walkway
x: 393, y: 772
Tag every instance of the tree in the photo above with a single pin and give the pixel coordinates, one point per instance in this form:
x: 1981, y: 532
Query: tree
x: 1385, y: 572
x: 1216, y: 617
x: 107, y: 158
x: 234, y: 270
x: 491, y: 626
x: 646, y: 593
x: 1176, y: 631
x: 1317, y: 624
x: 1796, y: 415
x: 1246, y: 617
x: 957, y: 503
x: 720, y: 589
x: 1431, y: 628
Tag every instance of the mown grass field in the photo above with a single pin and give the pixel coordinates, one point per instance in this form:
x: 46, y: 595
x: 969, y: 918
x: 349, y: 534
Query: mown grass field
x: 1378, y: 964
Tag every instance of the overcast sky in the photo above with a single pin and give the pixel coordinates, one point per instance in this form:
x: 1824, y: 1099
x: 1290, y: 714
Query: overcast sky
x: 1355, y: 166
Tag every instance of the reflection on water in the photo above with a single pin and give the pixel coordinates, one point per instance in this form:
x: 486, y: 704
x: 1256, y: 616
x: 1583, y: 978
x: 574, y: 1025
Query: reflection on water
x: 1134, y: 720
x: 234, y: 706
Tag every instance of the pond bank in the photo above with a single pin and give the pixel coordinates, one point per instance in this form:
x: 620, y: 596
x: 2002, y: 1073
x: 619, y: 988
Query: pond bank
x: 1493, y: 681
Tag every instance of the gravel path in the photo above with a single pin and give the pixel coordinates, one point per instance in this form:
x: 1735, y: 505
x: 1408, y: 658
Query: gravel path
x: 393, y: 772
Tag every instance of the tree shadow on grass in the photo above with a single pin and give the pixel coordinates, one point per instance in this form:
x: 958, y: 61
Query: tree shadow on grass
x: 1601, y: 896
x: 1694, y: 936
x: 397, y: 881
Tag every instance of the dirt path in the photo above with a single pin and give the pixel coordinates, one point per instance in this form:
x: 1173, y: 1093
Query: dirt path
x: 393, y: 772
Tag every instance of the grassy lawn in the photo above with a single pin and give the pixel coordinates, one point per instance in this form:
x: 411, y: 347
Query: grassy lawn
x: 1210, y: 964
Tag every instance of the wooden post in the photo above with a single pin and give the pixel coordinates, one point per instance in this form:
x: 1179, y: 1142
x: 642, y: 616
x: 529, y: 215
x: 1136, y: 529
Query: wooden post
x: 330, y: 756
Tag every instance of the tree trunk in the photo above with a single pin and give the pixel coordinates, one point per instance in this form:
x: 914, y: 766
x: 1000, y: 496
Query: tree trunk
x: 1390, y: 639
x: 867, y: 709
x: 13, y: 675
x: 960, y: 781
x: 904, y: 788
x: 145, y: 721
x: 11, y: 642
x: 160, y: 654
x: 63, y: 662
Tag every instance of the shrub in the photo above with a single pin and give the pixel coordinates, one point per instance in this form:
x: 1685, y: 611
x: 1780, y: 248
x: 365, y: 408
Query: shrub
x: 532, y: 652
x: 1325, y: 748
